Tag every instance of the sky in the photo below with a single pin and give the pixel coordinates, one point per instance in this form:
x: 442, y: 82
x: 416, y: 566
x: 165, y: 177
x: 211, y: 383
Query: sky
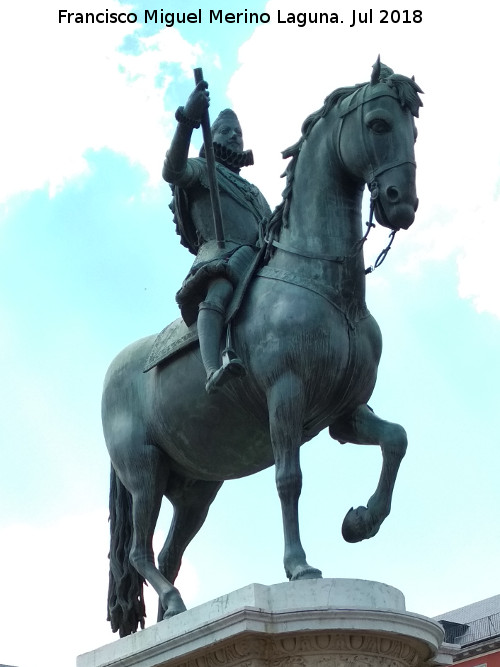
x: 89, y: 262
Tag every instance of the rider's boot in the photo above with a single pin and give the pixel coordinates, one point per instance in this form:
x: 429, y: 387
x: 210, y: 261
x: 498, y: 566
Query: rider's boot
x: 210, y: 328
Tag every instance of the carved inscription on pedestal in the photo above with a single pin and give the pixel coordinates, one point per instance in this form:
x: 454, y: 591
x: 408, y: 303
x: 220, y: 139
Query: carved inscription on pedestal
x: 311, y: 650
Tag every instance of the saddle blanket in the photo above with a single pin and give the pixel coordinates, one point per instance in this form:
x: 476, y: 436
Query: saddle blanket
x: 174, y: 338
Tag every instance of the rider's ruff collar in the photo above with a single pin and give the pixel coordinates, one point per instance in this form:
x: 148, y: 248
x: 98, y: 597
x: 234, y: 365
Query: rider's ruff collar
x: 233, y: 160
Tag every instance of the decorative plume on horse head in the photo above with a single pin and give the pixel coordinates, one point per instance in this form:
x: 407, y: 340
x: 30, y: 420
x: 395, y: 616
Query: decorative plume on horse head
x: 304, y: 335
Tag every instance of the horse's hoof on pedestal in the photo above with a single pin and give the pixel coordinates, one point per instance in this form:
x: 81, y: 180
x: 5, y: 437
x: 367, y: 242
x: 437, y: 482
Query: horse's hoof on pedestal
x: 174, y: 609
x: 306, y: 573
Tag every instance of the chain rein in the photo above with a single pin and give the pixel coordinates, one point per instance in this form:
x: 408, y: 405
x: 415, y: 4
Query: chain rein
x: 374, y: 194
x: 357, y: 247
x: 373, y: 187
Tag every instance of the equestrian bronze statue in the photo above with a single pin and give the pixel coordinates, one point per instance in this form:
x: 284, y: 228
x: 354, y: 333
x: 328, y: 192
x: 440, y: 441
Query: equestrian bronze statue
x: 301, y: 331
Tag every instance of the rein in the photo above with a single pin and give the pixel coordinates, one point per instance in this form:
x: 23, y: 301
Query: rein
x: 303, y: 253
x: 356, y: 103
x: 383, y: 254
x: 339, y: 259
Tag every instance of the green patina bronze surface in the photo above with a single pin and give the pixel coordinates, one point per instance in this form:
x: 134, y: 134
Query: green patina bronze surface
x: 305, y: 339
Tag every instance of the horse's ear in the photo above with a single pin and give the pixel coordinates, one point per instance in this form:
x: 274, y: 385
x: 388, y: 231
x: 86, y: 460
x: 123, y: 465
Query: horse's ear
x: 376, y: 72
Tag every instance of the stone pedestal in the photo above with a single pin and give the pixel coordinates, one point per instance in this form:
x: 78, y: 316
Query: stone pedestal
x: 310, y: 623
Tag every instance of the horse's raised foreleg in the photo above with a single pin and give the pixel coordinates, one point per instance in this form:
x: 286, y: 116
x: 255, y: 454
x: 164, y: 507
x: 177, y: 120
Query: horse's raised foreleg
x: 363, y: 427
x: 191, y: 500
x: 286, y: 415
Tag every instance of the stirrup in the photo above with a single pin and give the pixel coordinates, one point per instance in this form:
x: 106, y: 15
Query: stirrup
x: 231, y: 361
x: 231, y: 368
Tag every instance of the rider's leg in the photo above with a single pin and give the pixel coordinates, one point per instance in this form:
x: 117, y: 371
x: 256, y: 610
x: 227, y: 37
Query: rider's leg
x: 210, y: 327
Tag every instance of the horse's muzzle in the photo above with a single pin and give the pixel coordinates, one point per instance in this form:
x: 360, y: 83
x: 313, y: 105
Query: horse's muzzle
x: 395, y: 216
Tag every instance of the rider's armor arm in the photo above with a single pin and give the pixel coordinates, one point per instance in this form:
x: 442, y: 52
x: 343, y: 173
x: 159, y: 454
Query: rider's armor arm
x: 188, y: 117
x: 176, y: 159
x: 185, y: 178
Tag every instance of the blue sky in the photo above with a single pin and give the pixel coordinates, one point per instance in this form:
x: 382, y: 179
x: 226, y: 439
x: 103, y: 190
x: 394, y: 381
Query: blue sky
x: 89, y: 261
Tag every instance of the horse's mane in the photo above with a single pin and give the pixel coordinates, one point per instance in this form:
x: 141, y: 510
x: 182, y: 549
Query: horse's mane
x: 407, y: 91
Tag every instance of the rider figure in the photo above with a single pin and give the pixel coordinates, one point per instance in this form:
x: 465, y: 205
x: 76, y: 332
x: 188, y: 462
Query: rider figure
x: 207, y: 290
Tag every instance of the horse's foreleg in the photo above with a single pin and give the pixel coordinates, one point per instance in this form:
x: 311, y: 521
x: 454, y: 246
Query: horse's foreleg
x: 191, y: 500
x: 286, y: 415
x: 363, y: 427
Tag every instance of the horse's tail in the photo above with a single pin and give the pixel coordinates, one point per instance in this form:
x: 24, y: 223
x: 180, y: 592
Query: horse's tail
x: 126, y: 609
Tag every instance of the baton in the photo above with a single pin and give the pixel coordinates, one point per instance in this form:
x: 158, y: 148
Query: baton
x: 212, y: 174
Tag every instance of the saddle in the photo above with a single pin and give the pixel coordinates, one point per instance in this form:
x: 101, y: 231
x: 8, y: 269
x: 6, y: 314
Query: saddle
x: 177, y: 336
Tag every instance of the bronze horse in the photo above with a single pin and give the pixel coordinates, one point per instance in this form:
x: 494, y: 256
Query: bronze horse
x: 308, y: 341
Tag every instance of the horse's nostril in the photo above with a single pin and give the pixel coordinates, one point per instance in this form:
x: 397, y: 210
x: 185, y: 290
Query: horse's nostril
x: 392, y: 194
x: 416, y: 205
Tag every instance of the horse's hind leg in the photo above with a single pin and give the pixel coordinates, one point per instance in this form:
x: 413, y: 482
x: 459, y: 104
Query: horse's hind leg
x: 145, y: 476
x: 191, y: 500
x: 363, y: 427
x: 286, y: 416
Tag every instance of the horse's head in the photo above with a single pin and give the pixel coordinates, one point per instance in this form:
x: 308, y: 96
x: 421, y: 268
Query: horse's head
x: 376, y: 143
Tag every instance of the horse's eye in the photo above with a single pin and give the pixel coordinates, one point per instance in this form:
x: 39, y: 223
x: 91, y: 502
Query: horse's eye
x: 379, y: 126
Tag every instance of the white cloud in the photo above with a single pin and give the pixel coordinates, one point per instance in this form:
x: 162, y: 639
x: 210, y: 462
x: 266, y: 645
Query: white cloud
x: 458, y: 150
x: 54, y: 584
x: 70, y: 89
x: 478, y: 260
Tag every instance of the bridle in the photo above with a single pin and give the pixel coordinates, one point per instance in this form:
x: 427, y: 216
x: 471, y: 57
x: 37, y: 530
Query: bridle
x: 355, y: 102
x: 358, y: 246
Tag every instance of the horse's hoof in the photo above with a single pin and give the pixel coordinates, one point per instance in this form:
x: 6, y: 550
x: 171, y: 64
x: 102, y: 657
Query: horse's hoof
x: 174, y: 609
x: 358, y: 525
x: 172, y: 612
x: 306, y: 573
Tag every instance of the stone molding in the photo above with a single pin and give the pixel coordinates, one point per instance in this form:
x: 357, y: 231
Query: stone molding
x: 316, y: 623
x: 310, y: 650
